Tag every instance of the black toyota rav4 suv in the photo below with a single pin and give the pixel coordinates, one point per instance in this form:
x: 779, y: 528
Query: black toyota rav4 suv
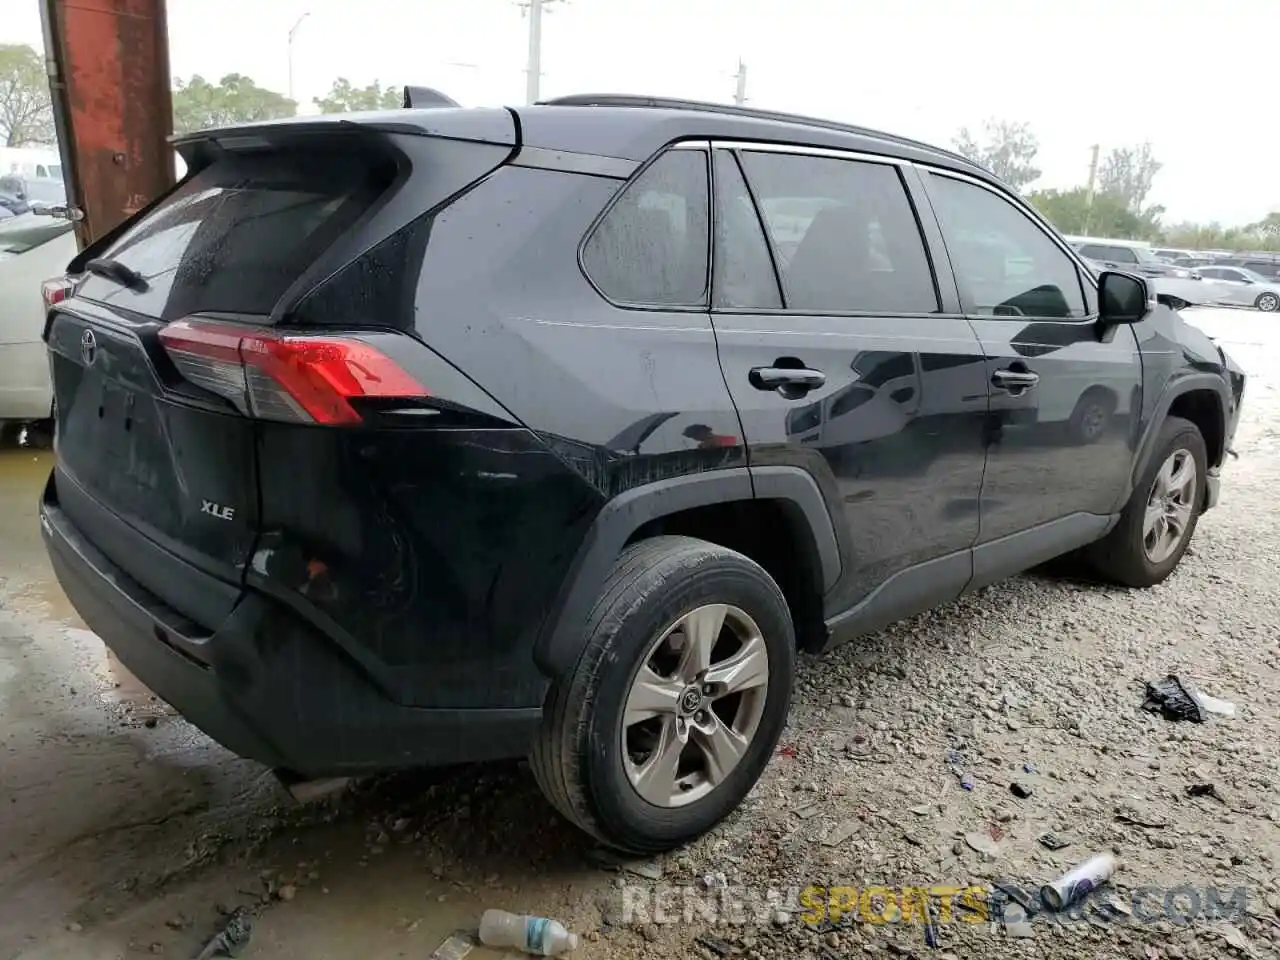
x: 445, y: 435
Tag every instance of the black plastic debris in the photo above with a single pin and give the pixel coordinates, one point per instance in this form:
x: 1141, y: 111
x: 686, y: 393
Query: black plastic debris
x: 721, y: 948
x: 1052, y: 841
x: 1170, y: 699
x: 1204, y: 790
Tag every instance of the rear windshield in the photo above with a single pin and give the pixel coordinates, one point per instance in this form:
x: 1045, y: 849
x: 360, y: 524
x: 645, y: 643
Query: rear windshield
x: 27, y: 232
x: 234, y: 237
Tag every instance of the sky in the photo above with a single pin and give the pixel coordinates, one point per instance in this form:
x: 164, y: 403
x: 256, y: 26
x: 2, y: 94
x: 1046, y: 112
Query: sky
x: 1196, y: 80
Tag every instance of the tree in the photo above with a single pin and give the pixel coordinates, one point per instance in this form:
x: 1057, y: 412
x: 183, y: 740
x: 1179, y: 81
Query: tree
x: 1071, y: 212
x: 344, y: 98
x: 1127, y: 173
x: 199, y: 104
x: 26, y: 108
x: 1214, y: 236
x: 1008, y: 149
x: 1268, y: 226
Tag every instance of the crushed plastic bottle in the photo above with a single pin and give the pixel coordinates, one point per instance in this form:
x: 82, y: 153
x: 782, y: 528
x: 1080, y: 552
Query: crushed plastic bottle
x: 539, y: 936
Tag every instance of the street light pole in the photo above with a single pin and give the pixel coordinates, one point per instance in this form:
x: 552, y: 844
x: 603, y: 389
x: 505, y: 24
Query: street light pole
x: 740, y: 94
x: 534, y: 67
x: 293, y: 30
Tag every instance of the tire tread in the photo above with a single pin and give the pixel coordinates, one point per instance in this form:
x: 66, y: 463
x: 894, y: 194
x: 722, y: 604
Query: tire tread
x: 557, y: 758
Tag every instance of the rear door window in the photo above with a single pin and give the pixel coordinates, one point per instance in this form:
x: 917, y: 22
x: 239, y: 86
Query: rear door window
x: 234, y: 237
x: 651, y: 248
x: 845, y: 234
x: 744, y: 274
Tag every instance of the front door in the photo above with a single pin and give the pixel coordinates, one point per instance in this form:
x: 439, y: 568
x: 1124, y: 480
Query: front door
x: 1064, y: 392
x: 843, y: 357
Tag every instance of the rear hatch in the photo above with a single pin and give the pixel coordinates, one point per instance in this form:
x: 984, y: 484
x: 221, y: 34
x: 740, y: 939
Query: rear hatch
x: 182, y: 340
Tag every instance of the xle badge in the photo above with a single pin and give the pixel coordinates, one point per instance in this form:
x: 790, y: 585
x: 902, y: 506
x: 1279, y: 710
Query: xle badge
x: 217, y: 510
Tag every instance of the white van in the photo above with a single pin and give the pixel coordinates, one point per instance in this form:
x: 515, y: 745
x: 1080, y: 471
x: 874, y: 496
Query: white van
x: 31, y: 163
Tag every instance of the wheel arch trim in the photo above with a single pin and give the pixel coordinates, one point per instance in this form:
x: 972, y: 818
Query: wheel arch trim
x: 561, y: 640
x: 1190, y: 383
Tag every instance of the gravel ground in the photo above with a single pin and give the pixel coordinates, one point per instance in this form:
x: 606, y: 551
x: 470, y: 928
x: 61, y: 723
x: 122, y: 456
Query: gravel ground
x: 1037, y: 681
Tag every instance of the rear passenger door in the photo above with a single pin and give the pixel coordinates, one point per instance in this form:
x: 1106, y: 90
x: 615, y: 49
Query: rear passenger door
x: 846, y: 359
x: 1063, y: 392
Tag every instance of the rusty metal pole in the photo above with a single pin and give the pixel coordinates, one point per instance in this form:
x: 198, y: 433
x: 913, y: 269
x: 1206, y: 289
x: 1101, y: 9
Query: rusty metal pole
x: 108, y: 63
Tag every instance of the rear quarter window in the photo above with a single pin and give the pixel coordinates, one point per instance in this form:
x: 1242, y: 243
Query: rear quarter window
x: 651, y: 248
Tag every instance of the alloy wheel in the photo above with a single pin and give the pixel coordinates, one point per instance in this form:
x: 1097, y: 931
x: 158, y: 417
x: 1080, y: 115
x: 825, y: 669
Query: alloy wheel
x: 694, y: 705
x: 1170, y: 506
x: 1269, y: 303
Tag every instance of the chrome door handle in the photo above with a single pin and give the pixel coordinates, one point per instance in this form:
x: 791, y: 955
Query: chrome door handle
x: 772, y: 378
x: 1015, y: 380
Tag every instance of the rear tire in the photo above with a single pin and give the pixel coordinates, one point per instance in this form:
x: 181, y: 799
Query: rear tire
x: 596, y: 762
x: 1142, y: 549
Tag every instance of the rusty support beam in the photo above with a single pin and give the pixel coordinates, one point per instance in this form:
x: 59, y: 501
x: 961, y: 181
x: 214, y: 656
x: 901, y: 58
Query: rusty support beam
x: 108, y: 66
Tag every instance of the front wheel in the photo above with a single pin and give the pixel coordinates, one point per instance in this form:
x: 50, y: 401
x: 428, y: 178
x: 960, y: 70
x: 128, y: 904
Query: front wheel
x: 678, y: 700
x: 1160, y: 518
x: 1268, y: 302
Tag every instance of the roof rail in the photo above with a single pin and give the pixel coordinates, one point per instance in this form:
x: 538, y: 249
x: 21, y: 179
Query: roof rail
x: 417, y: 98
x: 704, y: 106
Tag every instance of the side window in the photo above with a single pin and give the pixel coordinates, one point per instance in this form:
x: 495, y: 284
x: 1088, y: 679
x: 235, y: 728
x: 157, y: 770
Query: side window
x: 1123, y: 255
x: 1211, y: 273
x: 844, y: 232
x: 744, y: 274
x: 1005, y: 261
x: 651, y: 247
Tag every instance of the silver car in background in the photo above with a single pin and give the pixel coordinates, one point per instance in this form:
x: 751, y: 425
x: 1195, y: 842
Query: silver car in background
x: 1221, y: 286
x: 1241, y: 287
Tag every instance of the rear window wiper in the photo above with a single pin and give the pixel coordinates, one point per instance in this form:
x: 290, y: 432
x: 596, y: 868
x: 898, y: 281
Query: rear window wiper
x: 121, y: 273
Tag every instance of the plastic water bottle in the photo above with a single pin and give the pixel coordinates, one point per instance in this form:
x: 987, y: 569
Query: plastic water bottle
x: 536, y: 935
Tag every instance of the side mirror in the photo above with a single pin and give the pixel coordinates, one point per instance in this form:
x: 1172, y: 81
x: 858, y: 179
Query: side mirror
x: 1122, y: 298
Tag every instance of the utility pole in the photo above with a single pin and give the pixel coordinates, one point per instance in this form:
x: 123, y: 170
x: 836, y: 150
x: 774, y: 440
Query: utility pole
x: 740, y: 95
x: 534, y: 69
x: 292, y: 31
x: 1093, y: 179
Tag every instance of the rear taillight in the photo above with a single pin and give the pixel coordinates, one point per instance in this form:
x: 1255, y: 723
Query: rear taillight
x: 290, y: 377
x: 56, y: 290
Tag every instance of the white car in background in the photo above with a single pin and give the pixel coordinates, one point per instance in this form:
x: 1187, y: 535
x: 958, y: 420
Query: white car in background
x: 33, y: 248
x: 1223, y: 287
x: 1242, y: 287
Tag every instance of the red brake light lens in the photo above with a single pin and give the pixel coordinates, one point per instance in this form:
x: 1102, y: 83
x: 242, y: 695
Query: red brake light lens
x: 56, y: 290
x: 289, y: 377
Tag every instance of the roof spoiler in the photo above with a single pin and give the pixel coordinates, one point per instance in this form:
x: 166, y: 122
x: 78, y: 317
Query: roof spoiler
x: 419, y: 98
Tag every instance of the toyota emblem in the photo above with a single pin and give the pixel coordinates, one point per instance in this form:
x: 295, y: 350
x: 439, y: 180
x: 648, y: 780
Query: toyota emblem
x: 88, y: 348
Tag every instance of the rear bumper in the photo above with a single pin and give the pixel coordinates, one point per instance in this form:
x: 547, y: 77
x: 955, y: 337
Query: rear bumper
x: 265, y: 684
